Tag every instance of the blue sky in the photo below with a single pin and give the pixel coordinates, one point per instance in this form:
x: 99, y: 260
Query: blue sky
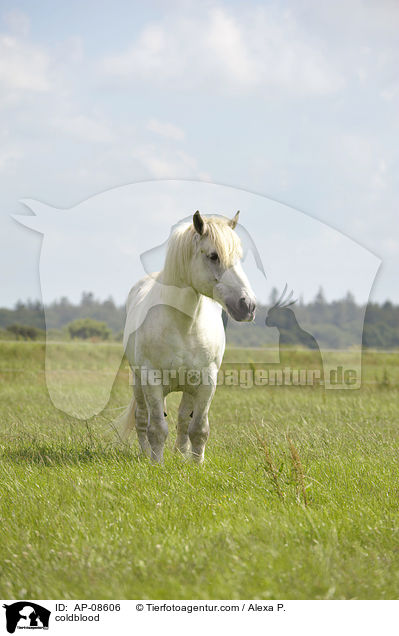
x: 297, y: 101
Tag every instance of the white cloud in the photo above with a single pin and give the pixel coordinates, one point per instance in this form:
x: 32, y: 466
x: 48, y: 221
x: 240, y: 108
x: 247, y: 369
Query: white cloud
x: 378, y: 181
x: 17, y: 21
x: 9, y: 157
x: 390, y: 92
x: 162, y: 163
x: 84, y: 128
x: 260, y: 53
x: 225, y: 43
x: 23, y: 66
x: 165, y: 129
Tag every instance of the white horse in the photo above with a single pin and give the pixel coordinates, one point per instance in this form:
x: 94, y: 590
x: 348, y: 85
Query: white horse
x: 174, y: 337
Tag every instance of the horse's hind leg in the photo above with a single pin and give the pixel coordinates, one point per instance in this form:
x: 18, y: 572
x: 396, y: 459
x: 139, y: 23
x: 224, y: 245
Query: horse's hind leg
x: 198, y: 430
x: 182, y: 444
x: 141, y: 417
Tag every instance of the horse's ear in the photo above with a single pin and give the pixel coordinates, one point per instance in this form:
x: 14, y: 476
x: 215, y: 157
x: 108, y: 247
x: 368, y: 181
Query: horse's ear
x: 233, y: 222
x: 199, y: 223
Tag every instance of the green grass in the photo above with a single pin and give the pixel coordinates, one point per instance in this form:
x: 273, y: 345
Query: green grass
x: 80, y: 519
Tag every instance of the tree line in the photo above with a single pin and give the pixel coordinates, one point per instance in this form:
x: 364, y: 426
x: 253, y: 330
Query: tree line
x: 337, y: 324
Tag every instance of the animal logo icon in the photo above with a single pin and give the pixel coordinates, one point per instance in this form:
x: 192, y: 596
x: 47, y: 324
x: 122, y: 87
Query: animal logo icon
x: 282, y: 317
x: 26, y: 615
x: 291, y: 334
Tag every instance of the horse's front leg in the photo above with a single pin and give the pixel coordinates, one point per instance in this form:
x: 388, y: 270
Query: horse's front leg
x: 157, y: 430
x: 182, y: 444
x: 198, y: 430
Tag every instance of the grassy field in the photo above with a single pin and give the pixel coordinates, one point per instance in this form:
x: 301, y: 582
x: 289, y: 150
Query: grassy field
x: 298, y: 496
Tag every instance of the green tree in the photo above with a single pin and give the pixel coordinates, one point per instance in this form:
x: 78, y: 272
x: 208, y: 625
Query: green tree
x: 86, y: 328
x: 24, y: 332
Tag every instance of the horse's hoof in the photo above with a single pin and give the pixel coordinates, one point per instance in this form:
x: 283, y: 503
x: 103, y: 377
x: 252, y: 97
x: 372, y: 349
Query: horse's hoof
x: 184, y: 453
x: 196, y: 458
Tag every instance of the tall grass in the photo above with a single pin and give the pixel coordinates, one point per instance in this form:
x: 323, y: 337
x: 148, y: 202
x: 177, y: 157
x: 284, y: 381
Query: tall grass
x: 298, y: 496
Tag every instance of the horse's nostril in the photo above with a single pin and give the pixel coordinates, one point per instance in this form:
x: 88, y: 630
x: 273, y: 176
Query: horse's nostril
x: 247, y: 305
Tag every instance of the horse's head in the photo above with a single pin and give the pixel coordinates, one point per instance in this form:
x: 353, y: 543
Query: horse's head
x: 216, y: 269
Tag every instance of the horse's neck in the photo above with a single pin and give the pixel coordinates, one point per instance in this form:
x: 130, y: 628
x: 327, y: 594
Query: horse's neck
x: 191, y: 306
x: 185, y: 299
x: 188, y: 301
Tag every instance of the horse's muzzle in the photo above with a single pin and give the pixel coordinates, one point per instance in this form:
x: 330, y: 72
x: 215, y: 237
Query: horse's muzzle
x: 243, y: 310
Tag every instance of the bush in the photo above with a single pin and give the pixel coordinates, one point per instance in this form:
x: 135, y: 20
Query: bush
x: 86, y: 328
x: 23, y: 332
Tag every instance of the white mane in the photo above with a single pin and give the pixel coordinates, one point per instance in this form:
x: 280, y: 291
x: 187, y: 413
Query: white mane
x: 181, y: 246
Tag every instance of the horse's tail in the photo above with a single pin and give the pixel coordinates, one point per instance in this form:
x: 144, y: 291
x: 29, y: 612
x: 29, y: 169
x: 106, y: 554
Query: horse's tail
x: 124, y: 424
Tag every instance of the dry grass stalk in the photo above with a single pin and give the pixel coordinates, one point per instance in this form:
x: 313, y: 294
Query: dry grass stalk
x: 298, y: 468
x: 270, y: 466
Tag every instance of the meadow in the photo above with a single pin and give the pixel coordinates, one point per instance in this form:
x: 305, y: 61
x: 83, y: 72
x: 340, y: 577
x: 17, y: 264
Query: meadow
x: 297, y: 498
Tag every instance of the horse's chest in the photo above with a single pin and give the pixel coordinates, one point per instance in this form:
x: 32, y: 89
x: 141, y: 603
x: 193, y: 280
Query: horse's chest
x: 187, y: 350
x: 166, y: 342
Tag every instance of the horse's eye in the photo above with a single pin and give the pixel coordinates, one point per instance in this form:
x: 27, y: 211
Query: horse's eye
x: 213, y: 256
